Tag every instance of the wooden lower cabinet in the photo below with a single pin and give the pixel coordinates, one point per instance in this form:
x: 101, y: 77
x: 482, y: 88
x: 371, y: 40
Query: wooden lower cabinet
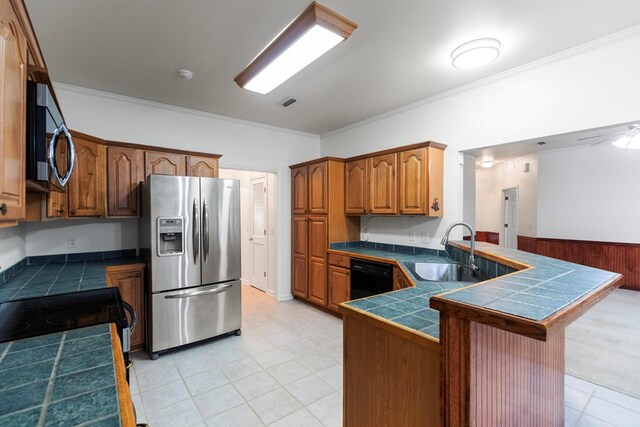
x: 391, y: 378
x: 309, y: 260
x: 339, y: 286
x: 129, y: 279
x: 400, y: 281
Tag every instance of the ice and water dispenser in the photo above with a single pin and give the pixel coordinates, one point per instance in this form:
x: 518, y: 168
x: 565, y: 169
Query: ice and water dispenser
x: 170, y: 236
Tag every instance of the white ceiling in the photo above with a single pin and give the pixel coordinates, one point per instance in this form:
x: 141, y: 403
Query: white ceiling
x: 398, y: 55
x: 505, y: 152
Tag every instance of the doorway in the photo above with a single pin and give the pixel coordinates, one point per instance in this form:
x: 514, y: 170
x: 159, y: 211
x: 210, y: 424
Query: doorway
x: 510, y: 218
x: 258, y: 227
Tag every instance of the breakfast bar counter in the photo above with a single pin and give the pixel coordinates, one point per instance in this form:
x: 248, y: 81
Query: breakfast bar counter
x: 493, y: 354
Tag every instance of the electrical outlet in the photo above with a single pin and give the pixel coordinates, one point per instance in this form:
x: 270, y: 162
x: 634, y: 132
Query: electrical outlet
x: 73, y: 242
x: 412, y: 236
x: 424, y: 237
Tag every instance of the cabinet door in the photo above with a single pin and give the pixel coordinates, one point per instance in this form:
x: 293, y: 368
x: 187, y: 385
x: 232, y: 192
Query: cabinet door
x: 13, y: 77
x: 122, y: 181
x: 202, y: 166
x: 299, y: 190
x: 382, y: 184
x: 398, y: 279
x: 318, y: 188
x: 339, y: 286
x: 435, y: 176
x: 355, y: 191
x: 413, y: 181
x: 318, y: 260
x: 159, y: 163
x: 131, y: 286
x: 87, y: 182
x: 300, y: 250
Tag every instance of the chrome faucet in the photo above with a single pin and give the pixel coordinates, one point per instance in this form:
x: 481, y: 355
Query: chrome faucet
x: 472, y: 257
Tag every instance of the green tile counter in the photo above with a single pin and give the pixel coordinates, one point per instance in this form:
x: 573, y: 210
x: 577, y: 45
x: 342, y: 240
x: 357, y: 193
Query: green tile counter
x: 56, y: 277
x: 61, y: 379
x: 499, y: 355
x: 410, y: 307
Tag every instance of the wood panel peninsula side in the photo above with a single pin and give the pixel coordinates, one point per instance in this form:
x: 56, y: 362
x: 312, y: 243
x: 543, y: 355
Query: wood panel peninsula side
x: 464, y: 354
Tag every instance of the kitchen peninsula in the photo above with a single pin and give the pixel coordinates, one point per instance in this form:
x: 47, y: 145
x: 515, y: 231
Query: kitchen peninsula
x: 493, y: 355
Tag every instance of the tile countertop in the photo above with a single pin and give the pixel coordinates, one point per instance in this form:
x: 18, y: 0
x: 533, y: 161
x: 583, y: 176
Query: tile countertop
x: 66, y: 378
x: 54, y: 277
x: 542, y: 288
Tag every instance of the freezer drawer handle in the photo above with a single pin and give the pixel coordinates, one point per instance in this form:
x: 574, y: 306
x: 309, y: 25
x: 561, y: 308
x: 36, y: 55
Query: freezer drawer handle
x: 198, y: 293
x: 205, y: 230
x: 196, y: 232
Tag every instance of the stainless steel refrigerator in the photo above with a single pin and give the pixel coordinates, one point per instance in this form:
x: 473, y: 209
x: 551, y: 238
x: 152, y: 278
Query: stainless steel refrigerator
x: 190, y: 240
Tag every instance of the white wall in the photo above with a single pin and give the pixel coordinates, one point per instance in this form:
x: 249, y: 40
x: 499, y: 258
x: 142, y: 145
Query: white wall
x: 489, y: 185
x: 92, y: 235
x: 590, y: 193
x: 245, y: 178
x: 244, y: 145
x: 591, y: 86
x: 14, y: 247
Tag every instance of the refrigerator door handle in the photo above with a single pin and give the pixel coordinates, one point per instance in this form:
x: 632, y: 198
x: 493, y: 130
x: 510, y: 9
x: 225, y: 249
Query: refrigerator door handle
x: 198, y: 293
x: 196, y: 232
x: 205, y: 230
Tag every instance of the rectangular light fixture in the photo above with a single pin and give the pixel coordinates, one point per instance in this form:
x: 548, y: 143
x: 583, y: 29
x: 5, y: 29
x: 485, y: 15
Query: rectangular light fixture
x: 313, y: 33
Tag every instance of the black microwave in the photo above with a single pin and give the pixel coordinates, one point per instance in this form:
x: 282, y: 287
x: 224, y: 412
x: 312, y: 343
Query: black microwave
x: 50, y: 151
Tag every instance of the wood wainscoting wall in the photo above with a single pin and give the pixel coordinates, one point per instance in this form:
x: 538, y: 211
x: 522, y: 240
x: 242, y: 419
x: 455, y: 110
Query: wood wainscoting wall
x: 486, y: 236
x: 623, y: 258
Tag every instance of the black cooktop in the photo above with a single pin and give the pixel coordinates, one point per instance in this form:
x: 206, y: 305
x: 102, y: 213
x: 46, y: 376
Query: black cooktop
x: 32, y: 317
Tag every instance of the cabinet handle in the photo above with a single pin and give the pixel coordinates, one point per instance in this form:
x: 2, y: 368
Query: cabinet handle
x: 436, y: 205
x: 73, y: 212
x: 137, y: 274
x: 3, y: 208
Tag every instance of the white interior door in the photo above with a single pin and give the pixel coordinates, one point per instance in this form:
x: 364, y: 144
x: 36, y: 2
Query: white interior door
x: 258, y: 233
x: 510, y: 213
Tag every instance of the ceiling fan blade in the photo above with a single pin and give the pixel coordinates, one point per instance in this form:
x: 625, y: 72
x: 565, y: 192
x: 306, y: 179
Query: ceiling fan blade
x: 604, y: 135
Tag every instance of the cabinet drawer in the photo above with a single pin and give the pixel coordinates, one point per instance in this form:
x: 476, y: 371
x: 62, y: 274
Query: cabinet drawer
x: 339, y: 260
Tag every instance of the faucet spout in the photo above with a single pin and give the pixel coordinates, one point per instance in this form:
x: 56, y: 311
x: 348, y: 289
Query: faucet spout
x: 472, y: 255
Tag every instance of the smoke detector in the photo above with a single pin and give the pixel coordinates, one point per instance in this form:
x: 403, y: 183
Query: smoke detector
x: 185, y: 74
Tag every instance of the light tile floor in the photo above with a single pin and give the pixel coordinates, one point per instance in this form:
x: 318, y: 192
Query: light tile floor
x: 286, y: 370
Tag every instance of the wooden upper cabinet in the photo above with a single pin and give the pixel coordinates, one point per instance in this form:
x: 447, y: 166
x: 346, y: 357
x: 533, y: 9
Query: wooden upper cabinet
x: 159, y: 163
x: 318, y: 188
x: 87, y: 183
x: 122, y: 181
x: 355, y: 191
x: 202, y: 166
x: 13, y: 77
x: 299, y: 187
x: 381, y: 172
x: 420, y: 189
x: 56, y: 204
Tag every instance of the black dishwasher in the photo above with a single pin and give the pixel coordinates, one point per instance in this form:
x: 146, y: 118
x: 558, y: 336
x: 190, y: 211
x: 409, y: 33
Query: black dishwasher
x: 370, y: 278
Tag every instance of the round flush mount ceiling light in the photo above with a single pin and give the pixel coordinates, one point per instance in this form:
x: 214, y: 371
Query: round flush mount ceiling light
x: 475, y: 53
x: 185, y: 74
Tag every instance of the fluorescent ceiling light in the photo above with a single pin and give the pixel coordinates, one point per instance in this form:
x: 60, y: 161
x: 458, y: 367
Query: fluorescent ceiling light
x: 630, y: 140
x: 475, y: 53
x: 314, y: 32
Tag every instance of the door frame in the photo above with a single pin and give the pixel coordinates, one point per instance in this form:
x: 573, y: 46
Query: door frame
x: 503, y: 213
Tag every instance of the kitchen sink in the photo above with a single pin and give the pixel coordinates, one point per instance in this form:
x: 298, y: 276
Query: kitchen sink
x: 443, y: 272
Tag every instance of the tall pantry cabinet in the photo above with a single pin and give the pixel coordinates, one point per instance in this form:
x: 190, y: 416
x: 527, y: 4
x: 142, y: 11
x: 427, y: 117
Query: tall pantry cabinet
x: 318, y: 218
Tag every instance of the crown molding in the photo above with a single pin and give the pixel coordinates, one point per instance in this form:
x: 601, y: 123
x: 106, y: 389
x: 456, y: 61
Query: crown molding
x: 168, y: 107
